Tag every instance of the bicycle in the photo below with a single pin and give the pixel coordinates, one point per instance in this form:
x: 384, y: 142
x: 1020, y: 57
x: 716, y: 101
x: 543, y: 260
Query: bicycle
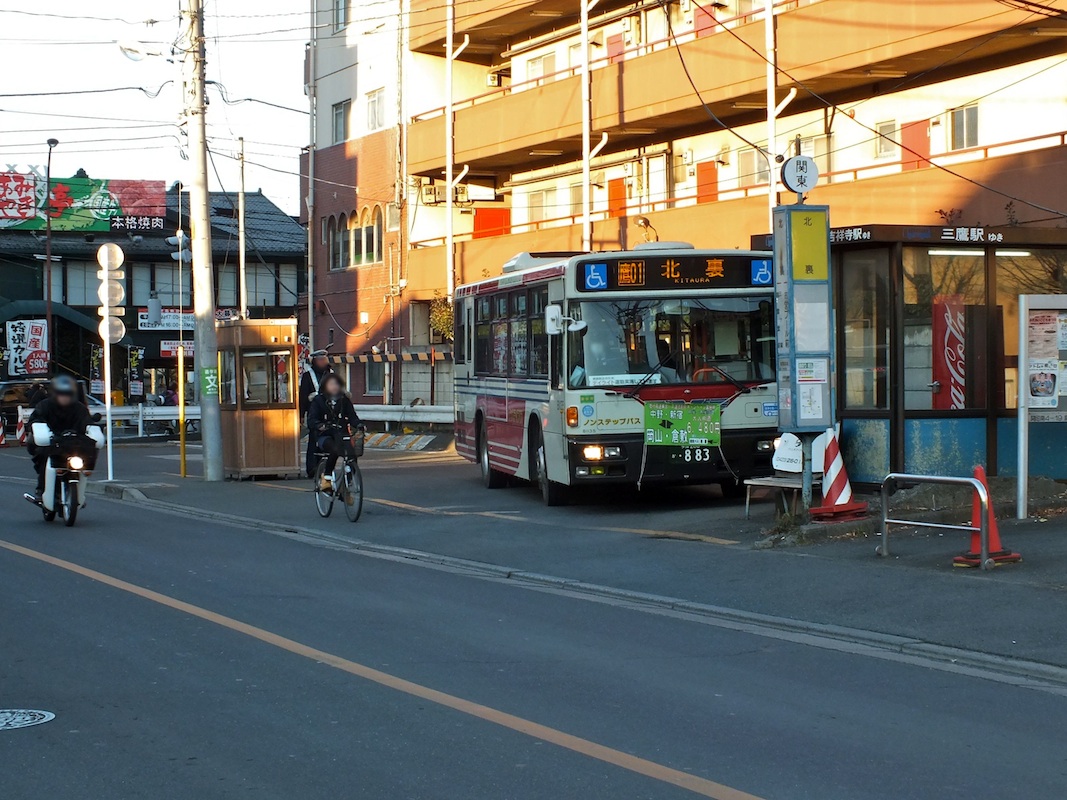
x: 346, y: 482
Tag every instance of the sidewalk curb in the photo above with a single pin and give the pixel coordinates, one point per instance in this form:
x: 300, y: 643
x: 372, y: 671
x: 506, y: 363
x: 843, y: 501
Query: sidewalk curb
x: 1019, y: 670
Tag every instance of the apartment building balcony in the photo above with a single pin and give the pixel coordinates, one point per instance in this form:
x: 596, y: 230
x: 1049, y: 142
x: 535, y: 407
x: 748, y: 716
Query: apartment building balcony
x: 839, y: 49
x: 975, y: 186
x: 491, y: 24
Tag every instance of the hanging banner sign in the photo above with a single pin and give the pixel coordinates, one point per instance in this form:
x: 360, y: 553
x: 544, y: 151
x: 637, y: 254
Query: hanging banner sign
x: 27, y: 344
x: 96, y: 370
x: 136, y: 355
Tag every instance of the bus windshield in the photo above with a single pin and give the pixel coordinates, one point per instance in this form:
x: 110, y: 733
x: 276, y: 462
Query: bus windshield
x: 708, y: 340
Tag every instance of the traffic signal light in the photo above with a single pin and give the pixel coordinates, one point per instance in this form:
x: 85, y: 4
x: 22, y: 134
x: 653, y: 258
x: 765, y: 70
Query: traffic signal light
x: 112, y: 293
x: 183, y: 254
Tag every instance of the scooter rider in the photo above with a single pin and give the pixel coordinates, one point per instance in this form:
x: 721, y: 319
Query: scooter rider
x: 61, y: 412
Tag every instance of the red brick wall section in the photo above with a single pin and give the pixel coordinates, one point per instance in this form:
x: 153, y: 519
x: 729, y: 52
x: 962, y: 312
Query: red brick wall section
x: 356, y: 177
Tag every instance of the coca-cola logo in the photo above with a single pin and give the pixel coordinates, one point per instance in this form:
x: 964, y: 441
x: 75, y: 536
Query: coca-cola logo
x: 953, y: 346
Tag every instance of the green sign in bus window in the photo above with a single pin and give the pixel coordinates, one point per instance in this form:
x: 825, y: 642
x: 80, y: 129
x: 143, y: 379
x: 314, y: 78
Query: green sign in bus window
x: 677, y: 424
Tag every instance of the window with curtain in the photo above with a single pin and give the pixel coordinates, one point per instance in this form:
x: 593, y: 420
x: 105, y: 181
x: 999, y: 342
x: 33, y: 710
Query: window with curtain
x: 82, y: 283
x: 344, y: 249
x: 173, y: 284
x: 288, y: 285
x: 227, y: 295
x: 379, y: 227
x: 375, y: 378
x: 369, y: 244
x: 331, y: 235
x: 262, y: 288
x: 141, y: 282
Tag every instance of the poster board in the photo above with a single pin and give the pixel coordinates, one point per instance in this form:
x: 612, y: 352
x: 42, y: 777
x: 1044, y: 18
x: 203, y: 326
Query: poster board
x: 1042, y: 375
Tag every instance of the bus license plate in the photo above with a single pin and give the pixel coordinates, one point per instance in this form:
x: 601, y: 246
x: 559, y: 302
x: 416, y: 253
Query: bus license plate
x: 693, y: 455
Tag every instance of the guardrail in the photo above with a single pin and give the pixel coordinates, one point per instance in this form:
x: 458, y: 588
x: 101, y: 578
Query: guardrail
x: 420, y: 413
x: 983, y: 520
x: 142, y: 414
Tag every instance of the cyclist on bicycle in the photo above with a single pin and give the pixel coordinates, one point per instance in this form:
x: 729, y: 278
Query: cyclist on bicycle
x: 331, y: 417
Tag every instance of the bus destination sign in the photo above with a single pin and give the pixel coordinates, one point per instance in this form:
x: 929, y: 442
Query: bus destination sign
x: 658, y: 273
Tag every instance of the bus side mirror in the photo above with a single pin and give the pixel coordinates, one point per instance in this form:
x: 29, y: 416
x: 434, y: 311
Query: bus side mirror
x: 553, y: 320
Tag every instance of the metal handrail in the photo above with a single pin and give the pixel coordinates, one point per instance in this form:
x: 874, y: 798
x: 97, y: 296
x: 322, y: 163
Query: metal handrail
x: 983, y: 518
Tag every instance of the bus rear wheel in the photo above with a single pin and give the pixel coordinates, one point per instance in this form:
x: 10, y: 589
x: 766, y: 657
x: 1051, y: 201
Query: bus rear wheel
x: 491, y: 478
x: 552, y: 493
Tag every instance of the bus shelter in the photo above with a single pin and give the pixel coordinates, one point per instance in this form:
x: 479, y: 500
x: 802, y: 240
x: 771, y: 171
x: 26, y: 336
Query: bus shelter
x: 928, y: 346
x: 257, y: 392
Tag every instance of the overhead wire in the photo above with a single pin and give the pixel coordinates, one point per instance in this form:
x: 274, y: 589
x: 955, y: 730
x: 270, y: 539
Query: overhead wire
x: 830, y: 104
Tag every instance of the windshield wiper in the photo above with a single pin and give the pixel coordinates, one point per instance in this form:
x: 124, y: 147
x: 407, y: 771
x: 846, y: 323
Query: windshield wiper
x: 648, y: 376
x: 740, y: 386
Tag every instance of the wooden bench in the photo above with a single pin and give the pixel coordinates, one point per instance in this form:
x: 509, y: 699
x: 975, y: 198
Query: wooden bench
x: 788, y: 481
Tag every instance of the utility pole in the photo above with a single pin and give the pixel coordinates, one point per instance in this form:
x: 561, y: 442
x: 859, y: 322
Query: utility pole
x: 206, y: 343
x: 48, y: 252
x: 241, y: 235
x: 312, y: 144
x: 770, y: 47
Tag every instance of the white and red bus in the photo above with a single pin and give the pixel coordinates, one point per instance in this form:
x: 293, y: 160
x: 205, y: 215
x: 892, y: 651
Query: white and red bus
x: 633, y: 367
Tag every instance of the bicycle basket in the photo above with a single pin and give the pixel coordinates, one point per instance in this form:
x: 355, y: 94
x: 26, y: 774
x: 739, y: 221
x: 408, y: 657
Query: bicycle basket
x: 356, y: 443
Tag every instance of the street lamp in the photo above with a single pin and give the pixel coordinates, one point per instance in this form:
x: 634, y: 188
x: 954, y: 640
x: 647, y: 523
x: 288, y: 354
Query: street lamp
x: 48, y: 250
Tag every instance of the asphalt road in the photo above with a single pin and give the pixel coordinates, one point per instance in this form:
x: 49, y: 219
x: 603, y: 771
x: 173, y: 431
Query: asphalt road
x: 199, y: 659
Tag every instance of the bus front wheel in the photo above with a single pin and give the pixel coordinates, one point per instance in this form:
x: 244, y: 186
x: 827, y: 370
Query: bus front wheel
x: 552, y: 493
x: 492, y: 478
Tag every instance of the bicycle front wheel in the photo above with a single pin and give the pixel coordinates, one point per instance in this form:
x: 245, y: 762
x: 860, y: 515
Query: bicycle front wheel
x: 353, y: 491
x: 323, y: 497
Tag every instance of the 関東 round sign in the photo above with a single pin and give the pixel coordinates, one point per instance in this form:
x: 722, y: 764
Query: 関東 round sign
x: 800, y: 174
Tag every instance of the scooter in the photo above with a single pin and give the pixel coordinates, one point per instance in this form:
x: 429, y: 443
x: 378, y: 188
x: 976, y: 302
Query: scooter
x: 71, y: 458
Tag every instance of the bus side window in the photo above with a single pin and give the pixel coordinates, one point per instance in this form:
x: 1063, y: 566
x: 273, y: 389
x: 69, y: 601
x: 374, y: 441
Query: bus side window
x: 459, y: 333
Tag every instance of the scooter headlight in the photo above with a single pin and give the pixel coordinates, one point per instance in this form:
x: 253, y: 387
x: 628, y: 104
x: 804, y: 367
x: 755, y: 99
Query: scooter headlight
x: 75, y: 462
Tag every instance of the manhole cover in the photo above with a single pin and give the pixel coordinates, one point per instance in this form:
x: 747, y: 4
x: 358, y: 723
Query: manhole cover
x: 23, y: 718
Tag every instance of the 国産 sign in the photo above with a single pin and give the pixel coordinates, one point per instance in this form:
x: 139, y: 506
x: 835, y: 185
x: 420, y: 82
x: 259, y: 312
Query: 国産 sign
x: 27, y: 346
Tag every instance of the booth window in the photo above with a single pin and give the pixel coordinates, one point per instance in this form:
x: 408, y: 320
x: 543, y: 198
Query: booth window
x: 1020, y: 271
x: 267, y: 378
x: 865, y: 330
x: 228, y: 378
x: 945, y: 327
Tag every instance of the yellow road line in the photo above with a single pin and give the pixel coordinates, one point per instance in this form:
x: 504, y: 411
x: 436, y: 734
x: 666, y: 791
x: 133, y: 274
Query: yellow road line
x: 641, y: 766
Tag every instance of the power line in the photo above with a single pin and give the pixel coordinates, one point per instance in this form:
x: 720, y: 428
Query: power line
x: 920, y: 156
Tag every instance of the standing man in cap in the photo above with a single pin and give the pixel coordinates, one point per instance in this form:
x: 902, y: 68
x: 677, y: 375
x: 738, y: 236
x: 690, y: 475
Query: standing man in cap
x: 318, y: 368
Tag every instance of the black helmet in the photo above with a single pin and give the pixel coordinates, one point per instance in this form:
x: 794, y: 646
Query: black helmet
x: 64, y: 384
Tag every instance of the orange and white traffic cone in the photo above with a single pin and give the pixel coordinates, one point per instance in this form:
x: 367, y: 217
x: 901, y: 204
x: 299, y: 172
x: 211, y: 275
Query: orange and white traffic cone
x: 3, y: 432
x: 20, y: 429
x: 836, y: 490
x: 998, y: 554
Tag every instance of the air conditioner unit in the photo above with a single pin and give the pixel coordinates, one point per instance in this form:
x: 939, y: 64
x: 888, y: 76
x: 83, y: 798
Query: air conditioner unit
x: 687, y: 156
x: 627, y: 24
x: 628, y: 169
x: 492, y: 79
x: 462, y: 195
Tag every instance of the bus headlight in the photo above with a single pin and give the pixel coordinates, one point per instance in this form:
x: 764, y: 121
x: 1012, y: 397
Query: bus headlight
x: 75, y: 462
x: 777, y: 443
x: 766, y: 446
x: 592, y: 452
x: 612, y: 452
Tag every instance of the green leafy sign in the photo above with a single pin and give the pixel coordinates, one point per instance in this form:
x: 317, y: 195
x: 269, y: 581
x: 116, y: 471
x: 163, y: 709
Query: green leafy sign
x: 677, y: 424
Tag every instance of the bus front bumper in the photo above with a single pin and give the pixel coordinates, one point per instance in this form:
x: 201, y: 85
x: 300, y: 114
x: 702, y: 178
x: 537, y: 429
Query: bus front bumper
x: 624, y: 458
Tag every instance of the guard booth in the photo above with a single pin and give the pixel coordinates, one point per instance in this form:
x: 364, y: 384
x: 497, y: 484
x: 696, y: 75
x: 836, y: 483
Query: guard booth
x: 258, y: 392
x: 927, y: 334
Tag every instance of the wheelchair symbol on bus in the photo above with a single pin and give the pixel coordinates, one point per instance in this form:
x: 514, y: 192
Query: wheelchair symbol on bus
x: 596, y: 276
x: 761, y: 273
